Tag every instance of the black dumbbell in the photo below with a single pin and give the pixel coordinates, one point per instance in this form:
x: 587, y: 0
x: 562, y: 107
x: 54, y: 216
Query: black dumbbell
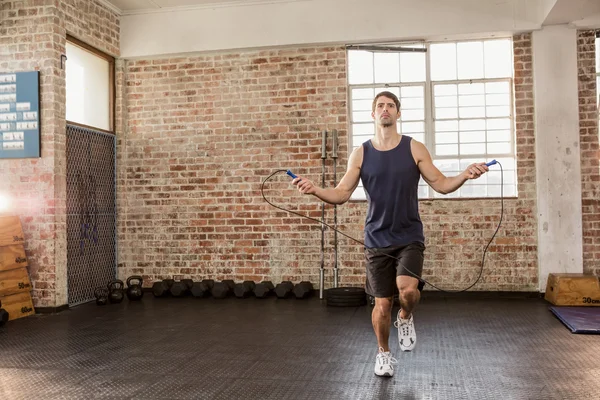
x: 284, y: 289
x: 181, y: 288
x: 220, y: 290
x: 243, y: 290
x: 263, y: 289
x: 209, y: 282
x: 303, y: 290
x: 200, y: 289
x: 230, y: 283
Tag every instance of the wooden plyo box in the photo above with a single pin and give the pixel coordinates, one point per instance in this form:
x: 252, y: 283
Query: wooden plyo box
x: 14, y: 281
x: 573, y: 290
x: 12, y: 257
x: 11, y: 232
x: 18, y: 305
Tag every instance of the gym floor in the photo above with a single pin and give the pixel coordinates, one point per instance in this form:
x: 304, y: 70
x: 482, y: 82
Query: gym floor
x: 467, y: 348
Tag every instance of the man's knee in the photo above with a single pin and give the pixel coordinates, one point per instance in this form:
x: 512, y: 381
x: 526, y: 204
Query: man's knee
x: 409, y: 293
x: 383, y: 305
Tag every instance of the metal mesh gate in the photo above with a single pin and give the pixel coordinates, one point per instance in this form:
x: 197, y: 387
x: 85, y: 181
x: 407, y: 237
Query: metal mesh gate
x: 91, y: 212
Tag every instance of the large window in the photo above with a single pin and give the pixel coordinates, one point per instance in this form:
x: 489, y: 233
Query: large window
x: 456, y: 98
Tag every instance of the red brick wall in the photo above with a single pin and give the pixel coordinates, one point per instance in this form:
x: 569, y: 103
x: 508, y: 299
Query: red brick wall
x: 203, y: 132
x: 590, y: 168
x: 32, y: 37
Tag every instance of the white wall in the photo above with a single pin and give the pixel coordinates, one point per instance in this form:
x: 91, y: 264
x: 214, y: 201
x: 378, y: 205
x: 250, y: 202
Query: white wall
x: 557, y: 151
x: 319, y: 22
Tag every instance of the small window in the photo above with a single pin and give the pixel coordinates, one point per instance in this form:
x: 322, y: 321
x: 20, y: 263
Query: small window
x: 90, y: 86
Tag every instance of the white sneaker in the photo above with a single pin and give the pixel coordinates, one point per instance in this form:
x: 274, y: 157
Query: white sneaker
x: 383, y: 363
x: 407, y: 337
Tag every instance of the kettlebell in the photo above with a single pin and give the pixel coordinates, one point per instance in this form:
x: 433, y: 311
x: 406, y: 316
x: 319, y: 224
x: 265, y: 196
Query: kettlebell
x: 115, y: 288
x: 134, y: 290
x: 101, y: 294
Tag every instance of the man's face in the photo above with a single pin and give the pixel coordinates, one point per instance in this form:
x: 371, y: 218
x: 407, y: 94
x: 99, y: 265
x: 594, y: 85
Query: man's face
x: 385, y: 114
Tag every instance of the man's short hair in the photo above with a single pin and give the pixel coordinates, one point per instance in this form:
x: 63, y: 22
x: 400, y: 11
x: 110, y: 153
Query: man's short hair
x: 386, y: 94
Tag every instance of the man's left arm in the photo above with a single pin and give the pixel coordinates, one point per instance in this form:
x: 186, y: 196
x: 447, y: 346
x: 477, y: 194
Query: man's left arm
x: 435, y: 178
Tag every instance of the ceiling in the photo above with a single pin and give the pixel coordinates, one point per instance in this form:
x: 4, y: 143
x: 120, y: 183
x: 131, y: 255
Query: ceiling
x: 578, y: 13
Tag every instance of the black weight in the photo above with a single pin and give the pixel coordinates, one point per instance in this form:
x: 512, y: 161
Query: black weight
x: 209, y: 282
x: 115, y: 289
x: 189, y: 283
x: 179, y: 289
x: 263, y: 289
x: 346, y: 297
x: 200, y: 289
x: 284, y: 289
x: 4, y: 316
x: 160, y: 289
x: 243, y: 290
x: 134, y: 287
x: 303, y: 290
x: 169, y: 282
x: 101, y: 294
x: 220, y: 290
x: 230, y: 283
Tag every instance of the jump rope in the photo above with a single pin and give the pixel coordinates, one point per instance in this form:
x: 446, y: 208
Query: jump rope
x: 291, y: 174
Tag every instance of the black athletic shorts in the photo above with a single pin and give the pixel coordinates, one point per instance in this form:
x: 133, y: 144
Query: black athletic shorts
x: 383, y: 270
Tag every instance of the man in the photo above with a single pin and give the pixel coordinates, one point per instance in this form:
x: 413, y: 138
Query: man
x: 390, y: 166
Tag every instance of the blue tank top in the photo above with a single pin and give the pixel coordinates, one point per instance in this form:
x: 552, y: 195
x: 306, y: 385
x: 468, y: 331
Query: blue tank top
x: 391, y: 182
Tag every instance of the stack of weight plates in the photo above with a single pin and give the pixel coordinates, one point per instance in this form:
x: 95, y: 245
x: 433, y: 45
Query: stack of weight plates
x: 346, y: 297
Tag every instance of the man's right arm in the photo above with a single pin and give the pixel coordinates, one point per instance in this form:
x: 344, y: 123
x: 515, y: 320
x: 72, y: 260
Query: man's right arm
x: 342, y: 192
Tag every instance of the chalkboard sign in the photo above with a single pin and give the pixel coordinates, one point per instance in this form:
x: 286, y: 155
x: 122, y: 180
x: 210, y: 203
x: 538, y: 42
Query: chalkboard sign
x: 20, y: 114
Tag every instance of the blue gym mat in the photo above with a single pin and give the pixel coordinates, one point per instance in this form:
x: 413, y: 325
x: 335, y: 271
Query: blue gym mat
x: 579, y: 319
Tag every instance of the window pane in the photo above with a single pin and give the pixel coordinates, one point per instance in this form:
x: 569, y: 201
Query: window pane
x: 412, y: 67
x: 361, y: 93
x: 471, y: 112
x: 444, y: 126
x: 363, y: 129
x: 497, y: 87
x: 361, y: 105
x: 471, y: 100
x: 497, y: 99
x: 446, y: 150
x: 472, y: 125
x: 446, y: 101
x: 409, y: 103
x: 387, y: 67
x: 362, y: 116
x: 446, y: 137
x: 411, y: 91
x: 498, y: 136
x: 499, y: 123
x: 498, y: 148
x: 443, y: 61
x: 360, y: 67
x: 446, y: 113
x: 445, y: 90
x: 471, y: 88
x: 498, y: 58
x: 470, y: 60
x: 472, y: 137
x: 412, y: 115
x: 472, y: 148
x: 87, y: 88
x: 412, y: 127
x: 498, y: 111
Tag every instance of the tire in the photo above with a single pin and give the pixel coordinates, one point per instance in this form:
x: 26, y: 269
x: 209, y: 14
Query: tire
x: 346, y: 297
